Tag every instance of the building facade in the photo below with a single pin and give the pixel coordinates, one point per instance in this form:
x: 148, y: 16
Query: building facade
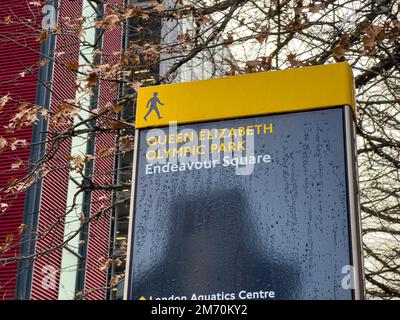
x: 61, y: 272
x: 51, y: 204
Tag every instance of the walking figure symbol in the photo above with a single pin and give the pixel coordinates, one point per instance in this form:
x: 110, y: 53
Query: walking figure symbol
x: 152, y: 106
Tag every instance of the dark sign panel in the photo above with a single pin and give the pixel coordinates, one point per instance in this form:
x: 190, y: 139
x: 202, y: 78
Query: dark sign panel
x: 273, y: 223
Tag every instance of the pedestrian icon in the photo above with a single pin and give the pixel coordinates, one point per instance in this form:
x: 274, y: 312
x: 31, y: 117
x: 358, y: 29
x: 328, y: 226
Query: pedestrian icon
x: 152, y: 106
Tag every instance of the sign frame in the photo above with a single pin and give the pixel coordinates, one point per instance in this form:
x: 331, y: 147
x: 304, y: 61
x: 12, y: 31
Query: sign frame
x: 352, y: 199
x: 353, y: 203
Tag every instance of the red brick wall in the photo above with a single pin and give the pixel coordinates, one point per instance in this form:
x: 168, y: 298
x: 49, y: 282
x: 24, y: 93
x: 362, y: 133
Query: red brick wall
x: 99, y: 231
x: 19, y: 50
x: 55, y: 185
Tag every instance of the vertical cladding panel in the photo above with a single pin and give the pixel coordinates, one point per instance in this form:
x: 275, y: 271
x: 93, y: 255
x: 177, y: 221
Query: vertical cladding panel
x: 19, y: 51
x: 55, y: 185
x: 99, y: 230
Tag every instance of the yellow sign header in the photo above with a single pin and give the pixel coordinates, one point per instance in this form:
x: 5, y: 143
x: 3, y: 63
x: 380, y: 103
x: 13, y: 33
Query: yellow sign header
x: 246, y: 95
